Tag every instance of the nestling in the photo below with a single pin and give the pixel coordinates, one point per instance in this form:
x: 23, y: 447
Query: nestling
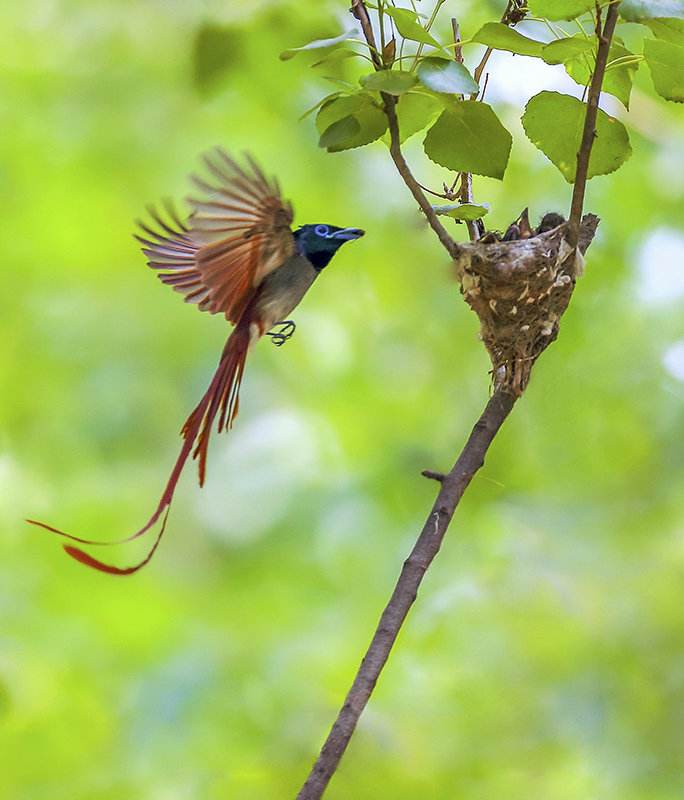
x: 521, y: 229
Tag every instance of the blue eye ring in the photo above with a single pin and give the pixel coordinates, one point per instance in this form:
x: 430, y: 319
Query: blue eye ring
x: 321, y: 230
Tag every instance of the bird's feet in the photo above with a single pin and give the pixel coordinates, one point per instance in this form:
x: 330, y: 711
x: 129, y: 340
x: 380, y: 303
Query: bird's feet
x: 287, y: 328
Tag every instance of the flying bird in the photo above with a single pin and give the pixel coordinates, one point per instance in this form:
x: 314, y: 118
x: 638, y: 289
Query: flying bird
x: 237, y: 255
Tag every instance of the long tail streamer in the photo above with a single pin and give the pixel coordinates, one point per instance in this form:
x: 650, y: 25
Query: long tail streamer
x: 220, y: 398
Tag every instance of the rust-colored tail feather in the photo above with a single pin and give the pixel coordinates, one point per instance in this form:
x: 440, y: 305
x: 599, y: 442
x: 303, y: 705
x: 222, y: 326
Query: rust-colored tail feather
x: 221, y: 396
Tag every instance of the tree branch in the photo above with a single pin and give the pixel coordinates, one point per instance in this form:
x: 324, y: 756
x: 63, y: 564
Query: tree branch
x: 449, y: 244
x: 471, y: 459
x: 426, y: 548
x: 589, y: 133
x: 359, y: 10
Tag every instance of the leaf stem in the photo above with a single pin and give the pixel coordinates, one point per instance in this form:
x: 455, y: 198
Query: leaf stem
x: 365, y: 44
x: 485, y: 58
x: 623, y: 61
x: 433, y: 16
x: 465, y: 194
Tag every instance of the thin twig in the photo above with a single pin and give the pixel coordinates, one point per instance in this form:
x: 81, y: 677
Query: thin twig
x: 359, y: 10
x: 444, y: 195
x: 433, y: 476
x: 433, y: 17
x: 466, y: 178
x: 458, y: 50
x: 465, y: 195
x: 426, y: 548
x: 589, y: 133
x: 484, y: 88
x: 479, y: 69
x: 449, y: 244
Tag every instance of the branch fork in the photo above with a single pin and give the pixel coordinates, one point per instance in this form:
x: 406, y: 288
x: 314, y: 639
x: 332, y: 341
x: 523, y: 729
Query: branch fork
x: 501, y: 282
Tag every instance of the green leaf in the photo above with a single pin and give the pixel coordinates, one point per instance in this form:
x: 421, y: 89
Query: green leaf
x: 333, y: 57
x: 554, y: 122
x: 565, y: 49
x: 464, y: 211
x: 362, y: 107
x: 340, y: 131
x: 216, y: 51
x: 320, y: 103
x: 666, y: 62
x: 409, y: 27
x: 446, y: 76
x: 639, y: 10
x: 468, y: 137
x: 671, y: 30
x: 318, y: 44
x: 349, y: 87
x: 618, y: 79
x: 501, y: 37
x: 390, y: 81
x: 559, y: 9
x: 415, y: 112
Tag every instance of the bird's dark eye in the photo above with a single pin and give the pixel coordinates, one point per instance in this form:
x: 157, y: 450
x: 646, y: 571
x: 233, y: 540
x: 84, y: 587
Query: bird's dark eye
x: 321, y: 230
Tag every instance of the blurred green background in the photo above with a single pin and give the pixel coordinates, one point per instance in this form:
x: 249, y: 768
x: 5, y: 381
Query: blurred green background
x: 545, y: 656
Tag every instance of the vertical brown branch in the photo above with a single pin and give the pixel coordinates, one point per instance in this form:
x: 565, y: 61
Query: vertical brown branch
x: 588, y: 134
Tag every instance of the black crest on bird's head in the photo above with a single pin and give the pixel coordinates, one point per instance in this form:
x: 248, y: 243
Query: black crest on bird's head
x: 319, y: 243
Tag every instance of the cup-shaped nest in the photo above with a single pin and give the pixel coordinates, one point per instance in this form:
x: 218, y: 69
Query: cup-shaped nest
x: 520, y: 290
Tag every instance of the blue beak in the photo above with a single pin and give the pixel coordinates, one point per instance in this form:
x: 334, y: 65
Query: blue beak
x: 348, y: 233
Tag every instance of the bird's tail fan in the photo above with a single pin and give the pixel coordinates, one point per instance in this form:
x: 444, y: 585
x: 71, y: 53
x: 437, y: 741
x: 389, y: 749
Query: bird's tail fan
x: 221, y: 399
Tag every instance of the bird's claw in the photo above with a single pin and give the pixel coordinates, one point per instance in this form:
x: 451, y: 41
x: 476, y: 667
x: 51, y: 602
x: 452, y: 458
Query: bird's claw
x: 287, y: 328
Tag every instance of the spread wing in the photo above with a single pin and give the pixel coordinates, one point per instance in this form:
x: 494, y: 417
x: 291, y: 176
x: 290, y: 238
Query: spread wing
x: 239, y: 231
x: 172, y: 252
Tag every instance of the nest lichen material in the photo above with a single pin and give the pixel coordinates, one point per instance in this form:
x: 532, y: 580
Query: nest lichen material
x: 520, y: 290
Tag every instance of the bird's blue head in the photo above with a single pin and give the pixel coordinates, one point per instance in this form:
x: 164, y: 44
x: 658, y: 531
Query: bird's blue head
x: 319, y: 243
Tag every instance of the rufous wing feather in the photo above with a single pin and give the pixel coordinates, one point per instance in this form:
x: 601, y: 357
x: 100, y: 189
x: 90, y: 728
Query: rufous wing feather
x: 173, y: 254
x: 244, y: 227
x: 238, y: 232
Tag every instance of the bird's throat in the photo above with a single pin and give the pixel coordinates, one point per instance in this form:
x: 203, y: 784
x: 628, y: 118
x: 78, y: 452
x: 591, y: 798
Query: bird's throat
x: 319, y: 259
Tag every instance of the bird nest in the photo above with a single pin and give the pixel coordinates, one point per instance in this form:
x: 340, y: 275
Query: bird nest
x: 520, y: 290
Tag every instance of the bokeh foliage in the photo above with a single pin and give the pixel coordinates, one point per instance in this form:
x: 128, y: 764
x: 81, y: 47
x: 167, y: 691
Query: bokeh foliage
x: 545, y: 655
